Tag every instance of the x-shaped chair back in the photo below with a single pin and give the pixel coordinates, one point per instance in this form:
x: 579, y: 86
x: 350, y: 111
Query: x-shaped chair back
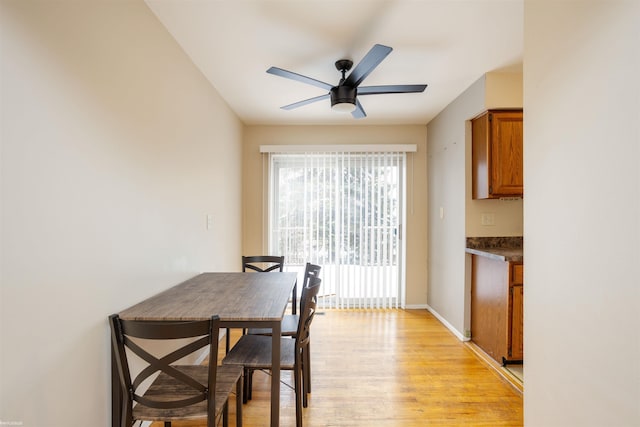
x: 205, y: 333
x: 263, y: 263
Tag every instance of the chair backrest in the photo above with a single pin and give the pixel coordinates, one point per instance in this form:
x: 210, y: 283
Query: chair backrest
x: 311, y: 270
x: 308, y: 303
x: 205, y: 334
x: 263, y: 263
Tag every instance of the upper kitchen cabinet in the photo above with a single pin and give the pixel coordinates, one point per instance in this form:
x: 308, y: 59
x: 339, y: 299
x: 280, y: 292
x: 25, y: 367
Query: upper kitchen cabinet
x: 497, y: 154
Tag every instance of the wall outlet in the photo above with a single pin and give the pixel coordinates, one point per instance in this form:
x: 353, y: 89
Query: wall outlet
x: 488, y: 218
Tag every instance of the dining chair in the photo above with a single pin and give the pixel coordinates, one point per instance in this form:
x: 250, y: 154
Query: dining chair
x: 179, y: 391
x: 290, y: 323
x: 260, y: 264
x: 263, y: 263
x: 253, y: 352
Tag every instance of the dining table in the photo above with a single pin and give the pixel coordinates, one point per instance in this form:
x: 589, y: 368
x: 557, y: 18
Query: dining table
x: 241, y: 300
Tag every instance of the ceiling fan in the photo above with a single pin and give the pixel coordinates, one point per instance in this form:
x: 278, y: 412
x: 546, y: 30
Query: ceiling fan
x: 344, y: 95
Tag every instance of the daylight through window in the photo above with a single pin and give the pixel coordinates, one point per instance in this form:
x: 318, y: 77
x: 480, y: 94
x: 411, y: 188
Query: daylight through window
x: 343, y: 211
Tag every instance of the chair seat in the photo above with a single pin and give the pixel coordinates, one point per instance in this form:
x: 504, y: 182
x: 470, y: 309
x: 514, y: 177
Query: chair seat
x: 289, y: 327
x: 254, y: 351
x: 165, y: 387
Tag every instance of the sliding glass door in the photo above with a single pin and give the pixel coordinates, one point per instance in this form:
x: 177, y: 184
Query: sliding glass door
x: 343, y: 211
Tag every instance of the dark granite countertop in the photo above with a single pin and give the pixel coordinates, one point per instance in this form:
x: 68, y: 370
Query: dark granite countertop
x: 499, y: 248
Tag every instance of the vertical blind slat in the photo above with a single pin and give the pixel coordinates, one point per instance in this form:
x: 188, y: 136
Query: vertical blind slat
x: 342, y: 211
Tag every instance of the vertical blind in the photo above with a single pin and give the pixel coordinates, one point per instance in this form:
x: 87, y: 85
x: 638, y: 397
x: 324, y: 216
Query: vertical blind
x: 343, y: 211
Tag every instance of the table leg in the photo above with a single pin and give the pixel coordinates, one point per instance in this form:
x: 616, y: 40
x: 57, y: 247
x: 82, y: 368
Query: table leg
x: 275, y: 374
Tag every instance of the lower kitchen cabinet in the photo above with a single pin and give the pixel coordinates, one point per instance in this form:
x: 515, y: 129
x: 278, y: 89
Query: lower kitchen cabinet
x: 497, y: 308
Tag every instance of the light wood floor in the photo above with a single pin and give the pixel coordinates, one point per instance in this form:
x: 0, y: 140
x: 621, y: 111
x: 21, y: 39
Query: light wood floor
x: 383, y: 368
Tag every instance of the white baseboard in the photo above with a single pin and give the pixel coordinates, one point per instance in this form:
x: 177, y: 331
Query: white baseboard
x: 417, y: 307
x: 447, y: 325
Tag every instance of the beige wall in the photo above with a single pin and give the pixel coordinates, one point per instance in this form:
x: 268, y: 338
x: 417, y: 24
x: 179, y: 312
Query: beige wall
x: 582, y: 213
x: 110, y: 143
x: 446, y: 147
x: 254, y: 190
x: 453, y: 215
x: 502, y: 90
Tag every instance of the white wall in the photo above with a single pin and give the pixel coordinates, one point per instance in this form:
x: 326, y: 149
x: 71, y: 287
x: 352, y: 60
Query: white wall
x: 114, y: 149
x: 582, y: 213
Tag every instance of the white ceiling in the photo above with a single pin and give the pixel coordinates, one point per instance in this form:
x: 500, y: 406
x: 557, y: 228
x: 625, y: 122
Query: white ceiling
x: 447, y: 44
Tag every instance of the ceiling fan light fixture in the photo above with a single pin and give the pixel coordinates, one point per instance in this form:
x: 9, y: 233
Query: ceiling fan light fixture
x: 344, y: 107
x: 343, y: 99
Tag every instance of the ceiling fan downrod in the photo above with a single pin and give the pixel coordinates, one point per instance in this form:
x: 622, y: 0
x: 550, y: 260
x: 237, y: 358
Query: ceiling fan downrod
x: 343, y: 65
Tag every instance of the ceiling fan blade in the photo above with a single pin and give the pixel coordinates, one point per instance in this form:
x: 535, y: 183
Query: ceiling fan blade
x: 358, y: 113
x: 298, y: 77
x: 370, y: 61
x: 305, y: 102
x: 376, y: 90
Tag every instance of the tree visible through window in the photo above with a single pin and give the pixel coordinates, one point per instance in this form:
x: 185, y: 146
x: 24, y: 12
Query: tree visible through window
x: 342, y: 211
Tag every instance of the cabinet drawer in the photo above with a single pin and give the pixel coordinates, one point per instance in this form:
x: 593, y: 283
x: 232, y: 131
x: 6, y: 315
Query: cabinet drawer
x: 518, y: 274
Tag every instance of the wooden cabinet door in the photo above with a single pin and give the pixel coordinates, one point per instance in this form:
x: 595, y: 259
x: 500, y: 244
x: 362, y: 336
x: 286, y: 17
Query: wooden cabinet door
x: 489, y: 305
x: 506, y: 153
x: 480, y: 154
x: 516, y: 346
x: 496, y: 154
x: 497, y: 307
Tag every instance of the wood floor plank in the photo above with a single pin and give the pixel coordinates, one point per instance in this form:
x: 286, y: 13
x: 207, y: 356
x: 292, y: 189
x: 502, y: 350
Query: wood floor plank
x: 389, y: 368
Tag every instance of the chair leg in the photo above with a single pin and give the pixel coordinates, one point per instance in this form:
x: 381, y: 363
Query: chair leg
x: 299, y: 392
x: 225, y: 414
x: 239, y: 398
x: 167, y: 424
x: 303, y: 368
x: 228, y: 340
x: 249, y: 392
x: 306, y: 373
x: 307, y: 367
x: 249, y: 385
x: 245, y: 380
x: 304, y: 392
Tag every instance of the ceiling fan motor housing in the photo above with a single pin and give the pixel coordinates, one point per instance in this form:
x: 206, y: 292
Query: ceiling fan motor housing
x: 343, y: 94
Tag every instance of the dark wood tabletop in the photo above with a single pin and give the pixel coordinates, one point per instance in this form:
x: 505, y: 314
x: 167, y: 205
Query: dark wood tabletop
x: 235, y: 297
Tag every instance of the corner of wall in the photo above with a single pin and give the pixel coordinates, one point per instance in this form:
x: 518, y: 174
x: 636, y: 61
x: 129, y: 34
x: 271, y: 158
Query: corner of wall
x: 447, y: 325
x: 503, y: 90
